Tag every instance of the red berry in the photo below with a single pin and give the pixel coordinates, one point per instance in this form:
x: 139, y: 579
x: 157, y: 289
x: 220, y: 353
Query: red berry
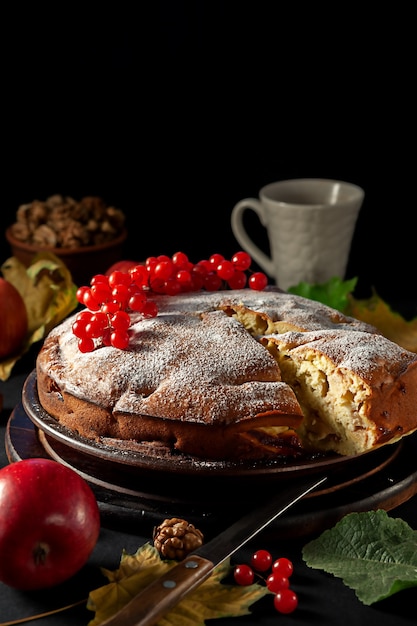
x: 242, y: 261
x: 120, y: 293
x: 119, y: 278
x: 106, y: 338
x: 101, y: 292
x: 163, y: 269
x: 137, y: 301
x: 86, y: 344
x: 110, y: 307
x: 203, y: 267
x: 238, y: 280
x: 180, y: 260
x: 120, y: 321
x: 89, y: 301
x: 183, y: 277
x: 150, y: 309
x: 99, y: 278
x: 80, y: 293
x: 285, y: 601
x: 139, y: 275
x: 93, y: 330
x: 150, y: 262
x: 84, y: 316
x: 172, y: 287
x: 119, y: 339
x: 283, y: 566
x: 197, y: 282
x: 243, y: 575
x: 78, y: 328
x: 258, y: 281
x: 261, y: 560
x: 225, y: 270
x: 215, y: 260
x: 212, y: 282
x: 276, y: 582
x: 99, y: 321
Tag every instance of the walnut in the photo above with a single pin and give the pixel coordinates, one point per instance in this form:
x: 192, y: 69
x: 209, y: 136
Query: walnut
x: 116, y: 217
x: 93, y: 203
x: 21, y: 231
x: 45, y: 236
x: 92, y: 226
x: 61, y: 212
x: 81, y: 214
x: 73, y: 235
x: 33, y: 215
x: 58, y: 225
x: 93, y: 207
x: 55, y: 200
x: 22, y: 213
x: 175, y: 538
x: 107, y: 228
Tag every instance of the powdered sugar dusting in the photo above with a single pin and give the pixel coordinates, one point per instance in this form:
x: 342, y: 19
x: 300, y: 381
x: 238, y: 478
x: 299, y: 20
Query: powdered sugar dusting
x: 302, y: 312
x: 366, y: 355
x: 199, y: 368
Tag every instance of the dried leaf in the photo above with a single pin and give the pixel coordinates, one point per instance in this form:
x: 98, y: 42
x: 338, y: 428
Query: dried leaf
x: 391, y: 324
x: 49, y: 294
x: 212, y: 599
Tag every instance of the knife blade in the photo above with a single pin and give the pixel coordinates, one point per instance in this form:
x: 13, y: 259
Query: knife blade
x: 152, y: 603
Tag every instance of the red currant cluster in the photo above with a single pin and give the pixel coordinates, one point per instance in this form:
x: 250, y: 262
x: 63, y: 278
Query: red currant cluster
x: 109, y: 299
x: 277, y: 581
x: 176, y: 274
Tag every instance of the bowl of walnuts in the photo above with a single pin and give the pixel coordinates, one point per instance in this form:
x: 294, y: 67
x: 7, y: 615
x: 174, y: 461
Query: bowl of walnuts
x: 87, y: 234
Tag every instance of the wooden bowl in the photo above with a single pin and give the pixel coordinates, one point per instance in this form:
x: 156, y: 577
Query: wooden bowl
x: 83, y: 262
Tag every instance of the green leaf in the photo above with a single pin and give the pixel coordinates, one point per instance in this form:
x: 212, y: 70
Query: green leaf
x: 334, y: 292
x: 374, y: 554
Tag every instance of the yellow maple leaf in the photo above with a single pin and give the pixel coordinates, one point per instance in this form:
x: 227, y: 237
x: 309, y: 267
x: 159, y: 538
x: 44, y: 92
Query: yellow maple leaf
x: 391, y: 324
x: 212, y: 599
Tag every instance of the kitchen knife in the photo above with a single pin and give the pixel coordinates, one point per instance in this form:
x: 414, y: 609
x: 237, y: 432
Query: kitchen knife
x: 152, y: 603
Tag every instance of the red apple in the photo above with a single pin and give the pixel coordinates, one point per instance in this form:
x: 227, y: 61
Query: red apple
x: 122, y: 266
x: 49, y: 523
x: 13, y: 319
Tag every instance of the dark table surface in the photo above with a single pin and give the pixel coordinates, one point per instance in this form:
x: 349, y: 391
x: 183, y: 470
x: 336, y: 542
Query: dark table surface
x: 323, y: 599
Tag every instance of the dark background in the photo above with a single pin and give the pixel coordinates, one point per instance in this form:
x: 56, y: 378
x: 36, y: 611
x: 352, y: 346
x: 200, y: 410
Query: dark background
x: 176, y: 111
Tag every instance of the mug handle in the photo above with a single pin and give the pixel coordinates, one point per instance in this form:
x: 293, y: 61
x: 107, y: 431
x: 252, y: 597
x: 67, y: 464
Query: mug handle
x: 239, y: 231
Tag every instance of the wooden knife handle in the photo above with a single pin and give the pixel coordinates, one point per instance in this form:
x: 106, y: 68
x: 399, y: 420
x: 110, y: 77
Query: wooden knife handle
x: 158, y: 598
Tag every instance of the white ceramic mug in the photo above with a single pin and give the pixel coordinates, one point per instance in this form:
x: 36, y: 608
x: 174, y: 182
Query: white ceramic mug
x: 310, y: 224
